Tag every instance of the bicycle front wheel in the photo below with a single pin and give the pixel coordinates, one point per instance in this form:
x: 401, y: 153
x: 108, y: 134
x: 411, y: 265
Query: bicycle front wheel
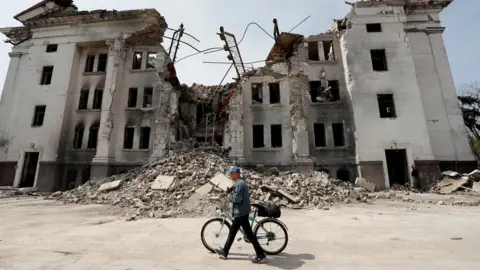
x: 214, y: 233
x: 271, y: 235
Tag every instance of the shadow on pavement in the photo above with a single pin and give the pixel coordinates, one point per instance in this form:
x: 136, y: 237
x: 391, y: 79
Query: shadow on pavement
x: 282, y: 260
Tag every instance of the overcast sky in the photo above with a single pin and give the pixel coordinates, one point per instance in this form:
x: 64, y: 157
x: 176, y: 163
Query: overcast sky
x: 202, y: 19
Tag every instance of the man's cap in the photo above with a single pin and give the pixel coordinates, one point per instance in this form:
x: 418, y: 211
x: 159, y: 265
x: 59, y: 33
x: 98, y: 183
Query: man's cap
x: 234, y: 169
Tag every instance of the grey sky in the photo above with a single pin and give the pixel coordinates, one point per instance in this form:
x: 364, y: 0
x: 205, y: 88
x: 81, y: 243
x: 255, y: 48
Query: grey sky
x: 202, y: 18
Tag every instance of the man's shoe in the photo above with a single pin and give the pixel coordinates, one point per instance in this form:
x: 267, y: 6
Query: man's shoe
x: 222, y: 253
x: 258, y: 259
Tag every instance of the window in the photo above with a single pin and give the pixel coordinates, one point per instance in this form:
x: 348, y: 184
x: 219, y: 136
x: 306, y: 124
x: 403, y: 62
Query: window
x: 315, y: 91
x: 83, y: 101
x: 137, y: 61
x: 47, y: 73
x: 86, y: 175
x: 276, y: 135
x: 93, y: 136
x: 374, y: 27
x: 258, y: 141
x: 338, y: 135
x: 319, y: 133
x: 52, y: 48
x: 147, y: 97
x: 144, y: 138
x: 334, y: 90
x: 128, y: 137
x: 71, y: 179
x: 90, y: 63
x: 274, y: 93
x: 379, y: 60
x: 39, y: 115
x: 97, y: 99
x: 78, y: 137
x: 132, y: 97
x: 386, y: 106
x: 102, y: 62
x: 313, y: 51
x: 257, y: 96
x: 152, y: 57
x: 328, y: 50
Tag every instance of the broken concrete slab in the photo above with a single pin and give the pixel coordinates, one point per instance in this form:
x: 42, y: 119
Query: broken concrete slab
x: 362, y: 182
x: 288, y: 196
x: 449, y: 186
x: 110, y: 186
x: 164, y: 182
x: 451, y: 174
x: 476, y: 187
x: 221, y: 181
x: 204, y: 190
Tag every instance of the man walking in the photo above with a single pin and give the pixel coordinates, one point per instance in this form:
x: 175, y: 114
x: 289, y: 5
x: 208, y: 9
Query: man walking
x: 240, y: 199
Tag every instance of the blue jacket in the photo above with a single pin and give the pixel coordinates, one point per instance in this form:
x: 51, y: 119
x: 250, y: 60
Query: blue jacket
x: 240, y: 199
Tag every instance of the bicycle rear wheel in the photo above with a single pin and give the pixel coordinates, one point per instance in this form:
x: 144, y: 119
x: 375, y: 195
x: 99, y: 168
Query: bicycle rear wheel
x: 214, y: 233
x: 271, y: 235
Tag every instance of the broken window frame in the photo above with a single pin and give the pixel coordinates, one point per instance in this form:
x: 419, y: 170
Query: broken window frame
x: 93, y: 136
x: 379, y: 60
x: 102, y: 62
x: 373, y: 27
x: 147, y: 97
x: 47, y: 75
x: 78, y: 136
x: 151, y: 60
x: 83, y: 100
x: 386, y: 106
x: 334, y: 90
x: 128, y: 137
x: 258, y: 138
x: 137, y: 61
x: 257, y: 93
x: 51, y: 48
x: 315, y: 91
x: 320, y: 141
x: 328, y: 47
x: 338, y: 141
x: 132, y: 97
x: 274, y: 89
x: 97, y: 99
x: 39, y: 115
x: 144, y: 142
x: 312, y: 51
x: 277, y: 140
x: 90, y: 63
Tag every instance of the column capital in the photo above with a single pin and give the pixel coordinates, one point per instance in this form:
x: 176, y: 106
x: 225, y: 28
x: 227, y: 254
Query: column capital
x: 15, y: 54
x: 434, y: 30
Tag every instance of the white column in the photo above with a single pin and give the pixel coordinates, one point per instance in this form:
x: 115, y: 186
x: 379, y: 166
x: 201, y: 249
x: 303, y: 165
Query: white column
x: 235, y: 129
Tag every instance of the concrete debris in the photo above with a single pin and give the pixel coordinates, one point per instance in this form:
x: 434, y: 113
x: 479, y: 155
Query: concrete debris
x: 189, y: 181
x: 364, y: 184
x: 110, y: 186
x: 451, y: 174
x: 476, y: 187
x: 454, y: 181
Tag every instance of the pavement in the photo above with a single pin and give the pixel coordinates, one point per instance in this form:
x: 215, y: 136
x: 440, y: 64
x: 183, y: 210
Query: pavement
x: 39, y: 234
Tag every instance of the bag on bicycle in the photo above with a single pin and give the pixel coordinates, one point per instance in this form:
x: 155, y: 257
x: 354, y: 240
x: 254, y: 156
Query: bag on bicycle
x: 269, y: 210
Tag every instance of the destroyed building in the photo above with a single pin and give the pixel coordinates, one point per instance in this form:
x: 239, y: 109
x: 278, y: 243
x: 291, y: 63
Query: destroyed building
x: 87, y: 94
x: 370, y: 97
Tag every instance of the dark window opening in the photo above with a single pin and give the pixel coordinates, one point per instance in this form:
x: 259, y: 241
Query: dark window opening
x: 47, y: 74
x: 328, y: 51
x: 90, y: 63
x: 374, y: 27
x: 334, y: 90
x: 86, y: 175
x: 128, y: 137
x: 152, y: 57
x: 39, y: 115
x: 219, y: 140
x: 83, y: 101
x: 315, y: 91
x: 102, y: 62
x: 319, y: 133
x: 132, y: 97
x: 258, y: 140
x: 313, y: 51
x: 97, y: 99
x: 343, y: 174
x: 338, y: 135
x: 276, y: 135
x: 397, y: 166
x: 274, y: 93
x: 52, y: 48
x: 78, y: 137
x: 145, y: 138
x: 257, y: 93
x: 71, y: 179
x: 202, y: 111
x: 29, y: 170
x: 93, y: 136
x: 386, y: 105
x: 137, y: 61
x: 147, y: 97
x: 379, y: 60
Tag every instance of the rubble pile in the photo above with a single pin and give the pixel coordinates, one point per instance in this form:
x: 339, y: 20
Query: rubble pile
x: 190, y: 180
x: 8, y: 192
x: 453, y: 181
x: 200, y: 92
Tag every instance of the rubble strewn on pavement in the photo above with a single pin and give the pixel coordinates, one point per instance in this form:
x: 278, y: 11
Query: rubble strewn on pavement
x: 190, y: 180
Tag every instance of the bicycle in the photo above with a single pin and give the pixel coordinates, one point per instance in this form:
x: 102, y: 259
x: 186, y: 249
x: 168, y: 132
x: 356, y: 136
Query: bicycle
x: 224, y: 219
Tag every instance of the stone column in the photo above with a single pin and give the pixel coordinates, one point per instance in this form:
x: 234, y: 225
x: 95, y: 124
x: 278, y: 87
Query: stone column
x: 300, y: 144
x: 234, y: 131
x: 105, y: 145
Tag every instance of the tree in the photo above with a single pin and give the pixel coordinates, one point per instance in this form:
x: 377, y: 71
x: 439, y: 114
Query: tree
x: 469, y: 97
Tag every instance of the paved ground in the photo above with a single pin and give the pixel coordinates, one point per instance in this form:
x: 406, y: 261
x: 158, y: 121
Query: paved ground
x: 36, y: 234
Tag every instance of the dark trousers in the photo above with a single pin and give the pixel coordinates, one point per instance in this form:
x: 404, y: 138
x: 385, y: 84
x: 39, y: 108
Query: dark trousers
x: 245, y: 224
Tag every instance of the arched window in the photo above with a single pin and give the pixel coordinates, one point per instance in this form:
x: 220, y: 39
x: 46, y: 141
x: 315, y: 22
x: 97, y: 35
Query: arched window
x: 343, y: 174
x: 78, y: 136
x: 93, y: 136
